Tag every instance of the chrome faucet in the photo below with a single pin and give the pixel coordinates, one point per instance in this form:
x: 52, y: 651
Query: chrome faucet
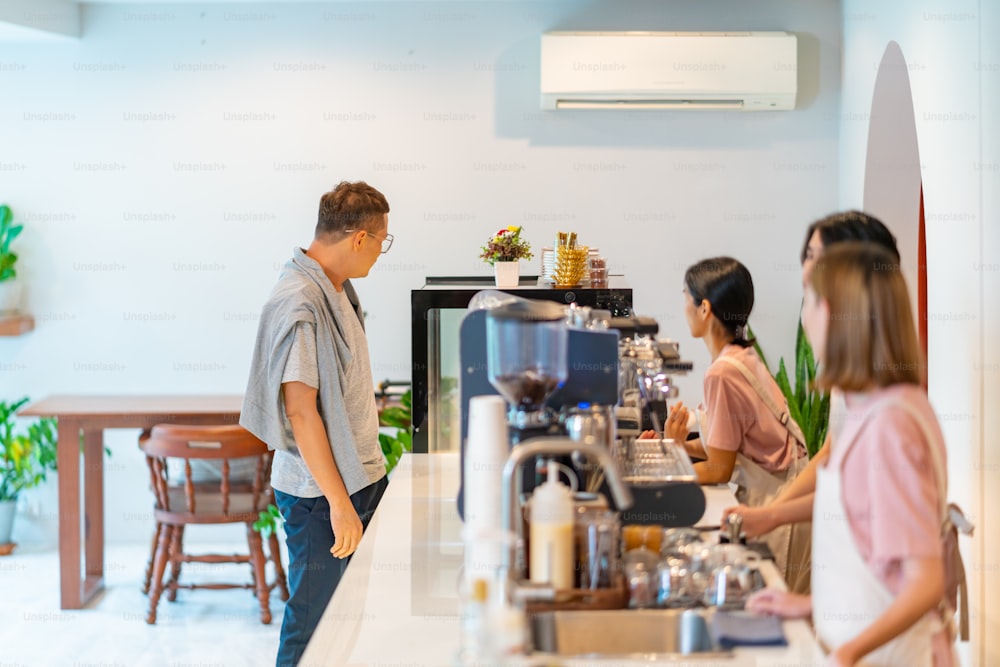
x: 511, y: 478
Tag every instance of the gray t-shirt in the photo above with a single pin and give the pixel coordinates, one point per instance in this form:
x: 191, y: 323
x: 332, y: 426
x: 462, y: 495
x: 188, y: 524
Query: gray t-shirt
x: 289, y: 473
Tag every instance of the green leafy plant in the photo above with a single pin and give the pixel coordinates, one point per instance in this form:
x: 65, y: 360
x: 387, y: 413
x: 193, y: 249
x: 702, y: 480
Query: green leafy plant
x: 8, y: 232
x: 268, y: 521
x: 808, y: 406
x: 25, y: 456
x: 506, y: 246
x: 398, y: 417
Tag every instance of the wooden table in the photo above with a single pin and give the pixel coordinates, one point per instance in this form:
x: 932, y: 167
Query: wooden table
x: 84, y: 418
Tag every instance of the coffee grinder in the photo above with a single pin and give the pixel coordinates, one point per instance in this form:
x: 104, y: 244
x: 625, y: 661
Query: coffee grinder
x: 526, y: 343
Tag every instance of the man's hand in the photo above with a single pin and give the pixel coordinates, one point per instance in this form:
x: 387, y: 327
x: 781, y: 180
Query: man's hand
x: 346, y: 527
x: 314, y: 446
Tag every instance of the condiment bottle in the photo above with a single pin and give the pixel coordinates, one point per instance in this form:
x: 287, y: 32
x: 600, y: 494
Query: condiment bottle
x: 491, y: 629
x: 474, y: 624
x: 551, y: 533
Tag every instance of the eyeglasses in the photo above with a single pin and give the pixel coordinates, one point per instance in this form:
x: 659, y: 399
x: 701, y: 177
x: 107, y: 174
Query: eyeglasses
x: 386, y: 240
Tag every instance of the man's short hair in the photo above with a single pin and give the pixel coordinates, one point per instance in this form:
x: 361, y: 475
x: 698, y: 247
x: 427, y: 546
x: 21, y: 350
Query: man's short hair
x: 350, y: 206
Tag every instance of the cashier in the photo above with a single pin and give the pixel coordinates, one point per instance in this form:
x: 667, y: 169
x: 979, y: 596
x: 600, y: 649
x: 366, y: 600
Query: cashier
x: 746, y: 433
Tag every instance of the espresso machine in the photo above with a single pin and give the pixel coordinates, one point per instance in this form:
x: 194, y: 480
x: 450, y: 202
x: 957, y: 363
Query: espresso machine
x: 659, y: 473
x: 569, y: 371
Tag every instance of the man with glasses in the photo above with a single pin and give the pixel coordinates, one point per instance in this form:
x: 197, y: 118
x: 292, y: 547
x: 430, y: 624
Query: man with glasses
x: 311, y: 398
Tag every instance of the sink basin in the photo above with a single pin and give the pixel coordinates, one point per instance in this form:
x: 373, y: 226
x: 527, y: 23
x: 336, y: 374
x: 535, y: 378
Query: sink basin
x: 625, y: 632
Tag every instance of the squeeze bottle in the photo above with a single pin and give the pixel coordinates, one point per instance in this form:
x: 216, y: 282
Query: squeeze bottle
x: 551, y: 533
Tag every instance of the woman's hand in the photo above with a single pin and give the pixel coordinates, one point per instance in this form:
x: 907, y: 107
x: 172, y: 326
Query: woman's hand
x: 647, y: 435
x: 675, y: 428
x: 780, y: 603
x: 756, y: 520
x: 840, y: 658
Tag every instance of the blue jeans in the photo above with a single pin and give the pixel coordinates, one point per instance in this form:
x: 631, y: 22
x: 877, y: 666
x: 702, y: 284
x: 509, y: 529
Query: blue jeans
x: 313, y: 573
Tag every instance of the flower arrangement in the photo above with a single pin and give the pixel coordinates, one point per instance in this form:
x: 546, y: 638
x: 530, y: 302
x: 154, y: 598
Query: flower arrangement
x: 506, y: 246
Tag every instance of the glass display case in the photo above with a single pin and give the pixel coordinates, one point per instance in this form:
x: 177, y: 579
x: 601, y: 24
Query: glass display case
x: 437, y: 310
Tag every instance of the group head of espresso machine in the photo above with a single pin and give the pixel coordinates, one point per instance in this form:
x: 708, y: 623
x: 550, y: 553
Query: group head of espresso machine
x: 568, y: 371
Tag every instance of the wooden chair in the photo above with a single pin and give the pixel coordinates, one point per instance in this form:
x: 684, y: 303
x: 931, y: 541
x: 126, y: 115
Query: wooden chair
x: 208, y: 503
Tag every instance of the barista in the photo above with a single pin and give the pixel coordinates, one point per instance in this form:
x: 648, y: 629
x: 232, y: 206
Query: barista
x: 878, y: 576
x: 795, y: 502
x: 746, y: 434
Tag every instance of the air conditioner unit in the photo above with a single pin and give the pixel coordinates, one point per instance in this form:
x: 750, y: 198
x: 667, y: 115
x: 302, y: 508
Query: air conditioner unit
x: 748, y: 71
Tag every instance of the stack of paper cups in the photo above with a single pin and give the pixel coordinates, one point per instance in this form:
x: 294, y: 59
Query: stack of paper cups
x: 486, y: 452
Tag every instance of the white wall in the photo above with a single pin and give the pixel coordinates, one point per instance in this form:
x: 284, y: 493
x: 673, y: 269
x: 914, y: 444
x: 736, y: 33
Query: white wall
x: 954, y: 67
x: 166, y: 163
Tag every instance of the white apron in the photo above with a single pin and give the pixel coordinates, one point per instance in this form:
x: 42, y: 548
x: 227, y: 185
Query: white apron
x: 846, y: 595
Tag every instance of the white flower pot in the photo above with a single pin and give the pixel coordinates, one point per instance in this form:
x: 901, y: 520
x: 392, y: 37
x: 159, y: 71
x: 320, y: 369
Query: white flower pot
x: 10, y: 297
x: 507, y: 274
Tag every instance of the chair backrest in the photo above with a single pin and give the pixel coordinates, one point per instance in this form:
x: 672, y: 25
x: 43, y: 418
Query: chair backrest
x: 217, y: 443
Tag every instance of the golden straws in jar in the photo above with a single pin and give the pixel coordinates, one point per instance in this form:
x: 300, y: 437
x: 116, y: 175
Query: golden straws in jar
x: 570, y: 260
x: 635, y: 536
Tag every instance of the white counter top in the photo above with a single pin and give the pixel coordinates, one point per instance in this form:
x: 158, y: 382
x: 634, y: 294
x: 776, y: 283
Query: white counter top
x: 397, y: 605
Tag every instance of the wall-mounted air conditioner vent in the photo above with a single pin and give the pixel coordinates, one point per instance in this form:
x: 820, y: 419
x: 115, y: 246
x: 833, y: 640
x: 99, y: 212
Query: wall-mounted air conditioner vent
x: 749, y: 71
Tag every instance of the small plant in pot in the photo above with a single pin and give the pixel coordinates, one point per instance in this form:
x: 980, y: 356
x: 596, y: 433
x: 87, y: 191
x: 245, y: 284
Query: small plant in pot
x: 9, y: 294
x: 503, y: 251
x: 26, y: 457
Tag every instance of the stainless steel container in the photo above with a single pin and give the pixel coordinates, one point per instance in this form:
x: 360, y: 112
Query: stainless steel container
x: 593, y: 422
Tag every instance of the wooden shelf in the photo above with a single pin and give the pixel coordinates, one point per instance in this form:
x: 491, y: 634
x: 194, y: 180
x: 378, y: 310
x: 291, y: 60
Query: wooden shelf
x: 15, y: 325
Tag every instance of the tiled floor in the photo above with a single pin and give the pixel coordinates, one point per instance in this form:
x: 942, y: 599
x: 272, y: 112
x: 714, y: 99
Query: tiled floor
x: 204, y: 628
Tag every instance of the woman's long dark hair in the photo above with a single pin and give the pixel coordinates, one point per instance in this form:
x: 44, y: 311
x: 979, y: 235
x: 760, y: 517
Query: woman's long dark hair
x: 726, y: 284
x: 851, y: 226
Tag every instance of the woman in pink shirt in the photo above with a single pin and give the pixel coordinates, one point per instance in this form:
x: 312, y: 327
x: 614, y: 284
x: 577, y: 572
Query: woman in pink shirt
x: 746, y: 433
x: 794, y: 503
x: 877, y: 561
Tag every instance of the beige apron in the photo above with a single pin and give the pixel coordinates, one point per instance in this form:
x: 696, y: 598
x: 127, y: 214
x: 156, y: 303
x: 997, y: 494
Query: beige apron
x: 757, y: 486
x: 790, y: 543
x: 847, y: 596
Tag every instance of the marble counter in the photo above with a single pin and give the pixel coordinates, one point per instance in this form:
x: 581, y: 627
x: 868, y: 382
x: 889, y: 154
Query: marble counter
x: 397, y: 605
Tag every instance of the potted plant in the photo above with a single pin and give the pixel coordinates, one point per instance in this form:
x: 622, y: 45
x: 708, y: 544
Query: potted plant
x: 10, y: 300
x: 807, y: 405
x: 503, y: 251
x: 9, y: 295
x: 25, y: 459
